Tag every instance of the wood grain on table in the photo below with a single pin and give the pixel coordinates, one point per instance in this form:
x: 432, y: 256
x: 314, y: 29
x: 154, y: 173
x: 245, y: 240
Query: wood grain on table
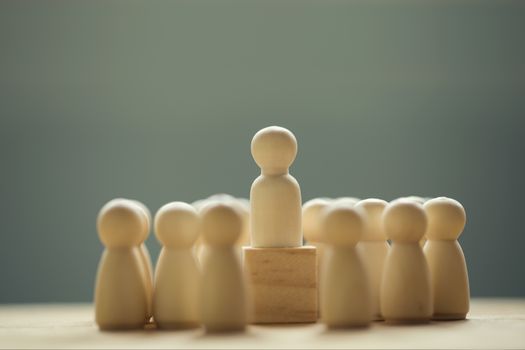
x: 491, y: 323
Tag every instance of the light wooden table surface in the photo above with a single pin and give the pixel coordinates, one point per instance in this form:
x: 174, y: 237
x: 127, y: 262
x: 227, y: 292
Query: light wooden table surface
x: 492, y: 323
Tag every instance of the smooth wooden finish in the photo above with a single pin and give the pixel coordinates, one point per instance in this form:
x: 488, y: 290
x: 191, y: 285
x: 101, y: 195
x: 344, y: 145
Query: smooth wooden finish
x: 283, y: 284
x: 351, y: 201
x: 242, y: 205
x: 177, y: 276
x: 121, y: 296
x: 275, y: 196
x: 420, y: 200
x: 223, y: 297
x: 145, y: 256
x: 406, y: 294
x: 373, y: 248
x: 448, y: 268
x: 282, y: 274
x: 344, y: 288
x: 311, y: 216
x: 490, y: 324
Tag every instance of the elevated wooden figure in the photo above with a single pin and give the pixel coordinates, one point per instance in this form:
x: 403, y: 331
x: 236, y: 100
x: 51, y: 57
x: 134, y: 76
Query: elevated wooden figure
x: 281, y: 271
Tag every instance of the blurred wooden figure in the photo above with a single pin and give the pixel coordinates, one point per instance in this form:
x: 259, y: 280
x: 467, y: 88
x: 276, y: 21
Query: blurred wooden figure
x: 177, y: 277
x: 312, y: 213
x: 223, y: 291
x: 121, y: 300
x: 373, y: 248
x: 351, y: 201
x: 344, y: 288
x: 241, y: 204
x: 406, y: 295
x: 448, y: 269
x: 145, y: 256
x: 420, y: 200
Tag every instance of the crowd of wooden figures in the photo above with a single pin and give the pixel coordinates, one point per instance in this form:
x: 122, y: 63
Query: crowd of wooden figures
x: 227, y: 262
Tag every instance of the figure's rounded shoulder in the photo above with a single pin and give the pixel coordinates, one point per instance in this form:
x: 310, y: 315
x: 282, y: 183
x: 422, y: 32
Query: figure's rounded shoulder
x: 276, y: 183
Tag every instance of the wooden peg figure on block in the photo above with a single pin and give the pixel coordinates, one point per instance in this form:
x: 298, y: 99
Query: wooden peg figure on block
x: 282, y: 273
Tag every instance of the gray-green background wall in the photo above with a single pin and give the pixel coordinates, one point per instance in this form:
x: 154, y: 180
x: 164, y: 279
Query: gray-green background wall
x: 158, y: 101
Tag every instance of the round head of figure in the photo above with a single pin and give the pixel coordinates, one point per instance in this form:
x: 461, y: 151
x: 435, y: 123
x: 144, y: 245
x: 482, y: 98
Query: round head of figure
x: 446, y: 218
x: 221, y: 224
x: 417, y: 199
x: 373, y: 210
x: 404, y: 220
x: 342, y: 225
x: 177, y: 225
x: 221, y: 197
x: 312, y: 211
x: 346, y: 200
x: 146, y: 217
x: 274, y: 149
x: 197, y: 204
x: 201, y: 204
x: 120, y: 224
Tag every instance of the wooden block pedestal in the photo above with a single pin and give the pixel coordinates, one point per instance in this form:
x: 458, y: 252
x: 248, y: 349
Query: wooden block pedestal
x: 283, y: 284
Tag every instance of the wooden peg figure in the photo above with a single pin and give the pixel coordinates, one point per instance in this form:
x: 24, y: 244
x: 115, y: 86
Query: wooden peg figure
x: 120, y: 292
x: 241, y: 204
x: 420, y: 200
x: 145, y: 256
x: 345, y: 290
x: 312, y: 214
x: 176, y: 290
x: 244, y: 207
x: 281, y: 272
x: 373, y: 248
x: 275, y: 195
x: 448, y: 269
x: 223, y: 292
x: 406, y: 295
